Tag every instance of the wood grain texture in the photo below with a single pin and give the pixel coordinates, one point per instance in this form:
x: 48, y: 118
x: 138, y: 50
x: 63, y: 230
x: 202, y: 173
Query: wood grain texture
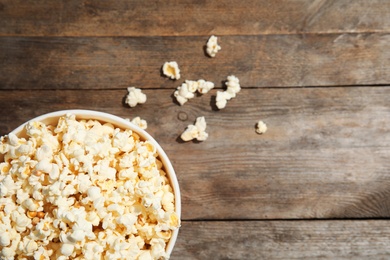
x: 259, y: 61
x: 190, y: 17
x: 283, y: 240
x: 316, y: 71
x: 325, y: 155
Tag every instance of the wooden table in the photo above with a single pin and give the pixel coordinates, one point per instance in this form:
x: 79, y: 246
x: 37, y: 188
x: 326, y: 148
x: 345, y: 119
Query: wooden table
x: 315, y: 185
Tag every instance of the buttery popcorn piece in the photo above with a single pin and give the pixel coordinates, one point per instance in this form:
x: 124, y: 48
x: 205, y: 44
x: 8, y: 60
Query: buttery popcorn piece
x: 82, y: 189
x: 212, y: 46
x: 261, y: 127
x: 197, y: 131
x: 135, y: 96
x: 171, y: 70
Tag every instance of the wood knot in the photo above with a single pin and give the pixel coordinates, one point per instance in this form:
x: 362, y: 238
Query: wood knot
x: 182, y: 116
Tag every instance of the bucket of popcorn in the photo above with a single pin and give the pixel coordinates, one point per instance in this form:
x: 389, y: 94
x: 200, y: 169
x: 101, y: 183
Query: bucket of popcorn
x: 80, y: 184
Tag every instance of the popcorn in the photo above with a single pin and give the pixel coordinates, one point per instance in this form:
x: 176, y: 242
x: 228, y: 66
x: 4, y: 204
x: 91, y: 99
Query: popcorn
x: 67, y: 249
x: 233, y: 87
x: 196, y: 131
x: 9, y: 205
x: 222, y: 98
x: 7, y: 253
x: 43, y: 152
x: 8, y: 186
x: 5, y: 239
x: 3, y: 190
x: 168, y: 199
x: 158, y: 248
x: 127, y: 220
x: 140, y: 122
x: 135, y: 96
x: 145, y: 256
x: 21, y: 221
x: 171, y: 70
x: 187, y: 90
x: 92, y: 250
x: 31, y: 205
x: 205, y: 86
x: 42, y: 254
x: 81, y: 190
x: 212, y: 46
x: 261, y: 127
x: 30, y: 246
x: 183, y: 93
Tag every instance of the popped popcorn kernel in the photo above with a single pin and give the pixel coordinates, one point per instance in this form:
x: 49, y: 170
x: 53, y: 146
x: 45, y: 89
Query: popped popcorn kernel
x: 135, y: 96
x: 197, y: 131
x: 171, y: 70
x: 140, y: 122
x: 183, y: 93
x: 83, y: 190
x: 204, y: 86
x: 212, y: 46
x: 261, y: 127
x: 222, y: 98
x: 187, y: 90
x: 233, y: 87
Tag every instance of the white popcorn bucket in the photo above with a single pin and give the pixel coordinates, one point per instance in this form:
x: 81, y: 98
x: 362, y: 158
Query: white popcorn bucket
x: 52, y: 119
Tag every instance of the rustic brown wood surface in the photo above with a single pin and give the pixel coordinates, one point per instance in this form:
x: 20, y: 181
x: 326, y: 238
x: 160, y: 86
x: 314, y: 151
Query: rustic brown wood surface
x: 284, y: 240
x: 259, y: 61
x: 314, y: 186
x: 191, y: 17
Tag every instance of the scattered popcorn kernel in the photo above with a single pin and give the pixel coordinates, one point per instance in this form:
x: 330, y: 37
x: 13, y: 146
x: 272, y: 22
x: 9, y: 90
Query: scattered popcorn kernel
x: 261, y: 127
x: 171, y: 70
x: 140, y: 122
x: 212, y: 46
x: 233, y: 87
x: 192, y: 85
x: 83, y: 190
x: 196, y: 131
x: 187, y: 90
x: 135, y: 96
x: 205, y: 86
x: 222, y: 98
x: 183, y: 93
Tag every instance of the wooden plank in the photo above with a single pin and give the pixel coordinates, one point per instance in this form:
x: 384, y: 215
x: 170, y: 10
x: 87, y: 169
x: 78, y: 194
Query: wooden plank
x: 190, y: 17
x: 273, y: 60
x: 365, y: 239
x: 325, y: 155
